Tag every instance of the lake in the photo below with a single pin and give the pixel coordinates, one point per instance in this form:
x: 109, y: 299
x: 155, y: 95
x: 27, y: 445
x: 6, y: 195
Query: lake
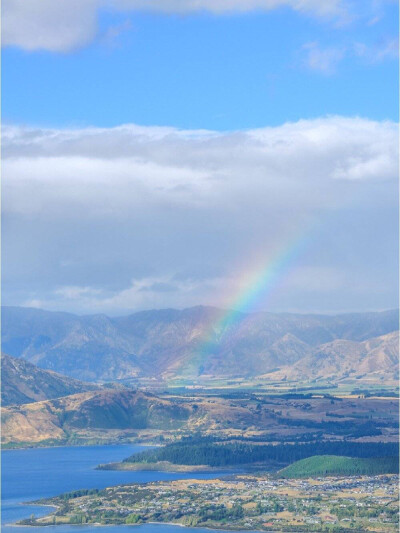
x: 37, y: 473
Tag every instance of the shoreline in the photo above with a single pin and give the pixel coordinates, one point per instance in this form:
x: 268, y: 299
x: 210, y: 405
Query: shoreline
x: 67, y: 445
x: 160, y: 466
x: 98, y: 524
x: 129, y: 525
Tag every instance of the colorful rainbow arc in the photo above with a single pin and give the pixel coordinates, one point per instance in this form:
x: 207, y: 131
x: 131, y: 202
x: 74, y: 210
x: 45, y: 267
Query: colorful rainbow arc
x: 260, y: 283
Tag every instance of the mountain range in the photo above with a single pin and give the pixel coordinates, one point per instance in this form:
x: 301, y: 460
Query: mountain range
x: 191, y: 344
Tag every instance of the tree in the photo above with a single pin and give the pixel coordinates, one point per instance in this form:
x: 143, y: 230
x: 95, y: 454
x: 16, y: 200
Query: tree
x: 132, y: 519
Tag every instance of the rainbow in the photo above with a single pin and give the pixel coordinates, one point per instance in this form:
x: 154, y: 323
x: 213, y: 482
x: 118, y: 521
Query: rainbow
x: 257, y: 285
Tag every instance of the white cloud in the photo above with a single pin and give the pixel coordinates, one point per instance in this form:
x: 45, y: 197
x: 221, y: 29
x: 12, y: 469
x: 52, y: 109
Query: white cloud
x: 63, y: 25
x: 58, y: 26
x: 323, y: 60
x: 388, y: 49
x: 133, y: 217
x: 105, y: 171
x: 114, y: 32
x: 144, y: 293
x: 327, y: 59
x: 316, y: 7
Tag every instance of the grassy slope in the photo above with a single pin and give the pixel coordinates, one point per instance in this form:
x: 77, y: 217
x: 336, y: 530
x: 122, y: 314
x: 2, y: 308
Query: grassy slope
x: 320, y: 465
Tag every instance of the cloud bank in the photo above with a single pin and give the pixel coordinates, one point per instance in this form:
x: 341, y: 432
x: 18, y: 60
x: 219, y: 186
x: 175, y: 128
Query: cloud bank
x: 140, y: 217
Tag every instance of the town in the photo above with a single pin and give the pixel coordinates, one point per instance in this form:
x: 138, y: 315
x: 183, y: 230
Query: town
x: 247, y: 502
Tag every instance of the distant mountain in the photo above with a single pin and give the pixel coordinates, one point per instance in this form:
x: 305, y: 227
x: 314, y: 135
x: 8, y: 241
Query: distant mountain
x: 23, y: 382
x: 340, y: 359
x: 189, y: 343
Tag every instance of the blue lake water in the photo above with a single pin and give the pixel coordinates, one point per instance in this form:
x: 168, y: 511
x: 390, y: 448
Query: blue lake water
x: 37, y: 473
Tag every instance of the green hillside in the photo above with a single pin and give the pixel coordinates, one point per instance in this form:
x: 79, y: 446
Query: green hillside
x: 323, y: 465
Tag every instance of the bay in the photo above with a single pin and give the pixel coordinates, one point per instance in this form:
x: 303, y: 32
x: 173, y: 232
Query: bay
x: 30, y: 474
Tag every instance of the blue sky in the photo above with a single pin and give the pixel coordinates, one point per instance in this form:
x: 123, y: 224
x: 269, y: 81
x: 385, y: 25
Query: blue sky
x: 162, y: 153
x: 202, y: 70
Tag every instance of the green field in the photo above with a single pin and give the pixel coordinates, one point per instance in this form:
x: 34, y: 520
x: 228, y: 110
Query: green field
x: 324, y: 465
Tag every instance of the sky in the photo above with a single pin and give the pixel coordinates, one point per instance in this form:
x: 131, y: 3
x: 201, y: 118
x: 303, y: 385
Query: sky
x: 171, y: 153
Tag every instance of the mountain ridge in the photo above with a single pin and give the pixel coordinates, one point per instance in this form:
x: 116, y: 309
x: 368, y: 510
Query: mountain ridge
x: 169, y: 343
x: 345, y: 359
x: 23, y: 382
